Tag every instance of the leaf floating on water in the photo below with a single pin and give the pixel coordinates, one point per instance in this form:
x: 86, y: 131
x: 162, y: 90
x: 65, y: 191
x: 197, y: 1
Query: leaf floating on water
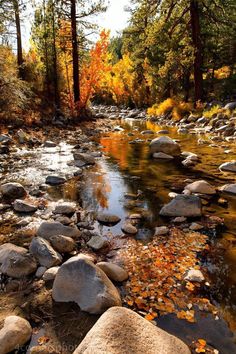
x: 43, y: 340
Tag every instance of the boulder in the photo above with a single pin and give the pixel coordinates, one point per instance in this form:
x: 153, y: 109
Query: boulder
x: 16, y: 262
x: 183, y: 205
x: 48, y: 229
x: 22, y: 206
x: 201, y: 187
x: 120, y: 330
x: 113, y: 271
x: 65, y: 209
x: 166, y: 145
x: 108, y: 219
x: 40, y: 272
x: 15, y: 333
x: 55, y: 180
x: 228, y: 166
x: 44, y: 253
x: 229, y: 188
x: 79, y: 280
x: 97, y: 242
x: 62, y: 244
x: 13, y: 190
x: 129, y: 229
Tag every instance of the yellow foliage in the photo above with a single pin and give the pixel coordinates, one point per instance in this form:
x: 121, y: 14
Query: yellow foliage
x: 176, y: 108
x: 216, y: 110
x: 222, y: 73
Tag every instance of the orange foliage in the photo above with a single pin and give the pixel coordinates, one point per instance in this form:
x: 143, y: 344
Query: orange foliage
x: 94, y: 69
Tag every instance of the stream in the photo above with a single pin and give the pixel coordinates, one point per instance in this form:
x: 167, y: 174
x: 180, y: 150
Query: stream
x: 126, y: 167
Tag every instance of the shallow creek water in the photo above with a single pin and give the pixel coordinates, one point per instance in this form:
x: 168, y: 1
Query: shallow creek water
x: 127, y: 168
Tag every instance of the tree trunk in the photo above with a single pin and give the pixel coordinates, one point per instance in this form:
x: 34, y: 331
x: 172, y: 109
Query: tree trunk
x: 76, y: 84
x: 46, y: 48
x: 20, y: 61
x: 55, y: 76
x: 198, y: 60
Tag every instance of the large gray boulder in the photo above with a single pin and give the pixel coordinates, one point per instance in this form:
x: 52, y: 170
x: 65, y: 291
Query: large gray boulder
x: 16, y: 262
x: 201, y: 187
x: 228, y: 166
x: 79, y: 280
x: 183, y: 205
x: 13, y: 190
x: 15, y: 333
x: 120, y: 330
x: 44, y: 253
x: 48, y: 229
x: 166, y: 145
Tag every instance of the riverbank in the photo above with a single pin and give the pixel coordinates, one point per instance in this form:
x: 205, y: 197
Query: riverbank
x: 118, y: 176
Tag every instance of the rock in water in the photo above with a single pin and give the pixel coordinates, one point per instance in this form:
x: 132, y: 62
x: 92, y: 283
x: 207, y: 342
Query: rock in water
x: 23, y: 207
x: 13, y: 190
x: 79, y: 280
x: 166, y: 145
x: 108, y: 219
x: 201, y: 187
x: 113, y: 271
x: 44, y: 253
x: 15, y: 333
x: 16, y: 261
x: 129, y: 229
x: 183, y: 205
x: 120, y: 330
x: 229, y: 188
x: 228, y: 166
x: 48, y: 229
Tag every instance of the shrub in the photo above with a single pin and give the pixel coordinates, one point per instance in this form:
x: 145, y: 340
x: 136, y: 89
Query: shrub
x: 176, y: 108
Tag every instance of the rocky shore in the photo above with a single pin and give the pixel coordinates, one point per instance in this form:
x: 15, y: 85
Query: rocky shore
x: 51, y: 250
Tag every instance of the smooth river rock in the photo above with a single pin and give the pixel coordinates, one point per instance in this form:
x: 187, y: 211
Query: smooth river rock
x: 16, y: 261
x: 183, y: 205
x: 108, y: 219
x: 97, y: 242
x: 79, y: 280
x: 65, y: 209
x: 201, y: 187
x: 15, y: 333
x: 122, y: 331
x: 166, y: 145
x: 13, y: 190
x: 228, y: 166
x: 48, y: 229
x: 113, y: 271
x: 62, y: 244
x: 229, y: 188
x: 55, y: 180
